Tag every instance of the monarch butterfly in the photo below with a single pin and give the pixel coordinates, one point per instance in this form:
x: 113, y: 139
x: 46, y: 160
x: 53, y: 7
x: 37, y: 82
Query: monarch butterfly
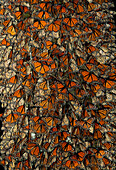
x: 13, y: 80
x: 2, y: 11
x: 80, y: 9
x: 107, y: 145
x: 36, y: 119
x: 34, y: 149
x: 70, y: 21
x: 20, y: 62
x: 12, y: 118
x: 18, y: 14
x: 22, y: 13
x: 89, y: 66
x: 24, y: 8
x: 80, y: 61
x: 80, y: 92
x: 48, y: 44
x: 91, y: 6
x: 106, y: 161
x: 64, y: 135
x: 40, y: 24
x: 55, y: 141
x: 87, y: 124
x: 2, y: 162
x: 1, y: 114
x: 60, y: 10
x: 29, y: 82
x: 48, y: 103
x: 40, y: 128
x: 54, y: 26
x: 81, y: 156
x: 78, y: 32
x: 102, y: 122
x: 43, y: 159
x: 64, y: 62
x: 72, y: 162
x: 46, y: 145
x: 110, y: 134
x: 91, y: 49
x: 44, y: 6
x: 21, y: 25
x: 95, y: 87
x: 5, y: 23
x: 33, y: 1
x: 112, y: 76
x: 36, y: 37
x: 96, y: 33
x: 43, y: 85
x: 94, y: 162
x: 98, y: 135
x: 23, y: 165
x: 108, y: 84
x: 43, y: 15
x: 24, y: 54
x: 60, y: 87
x: 11, y: 30
x: 21, y: 109
x: 102, y: 113
x: 66, y: 147
x: 103, y: 68
x: 70, y: 83
x: 4, y: 43
x: 26, y: 165
x: 100, y: 1
x: 34, y: 51
x: 19, y: 93
x: 89, y: 77
x: 97, y: 126
x: 41, y: 68
x: 54, y: 152
x: 50, y: 121
x: 100, y: 154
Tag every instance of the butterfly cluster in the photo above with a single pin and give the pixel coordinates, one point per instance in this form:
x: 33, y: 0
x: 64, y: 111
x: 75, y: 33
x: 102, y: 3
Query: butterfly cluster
x: 57, y: 84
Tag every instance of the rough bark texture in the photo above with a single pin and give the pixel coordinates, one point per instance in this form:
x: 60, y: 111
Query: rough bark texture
x: 57, y: 84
